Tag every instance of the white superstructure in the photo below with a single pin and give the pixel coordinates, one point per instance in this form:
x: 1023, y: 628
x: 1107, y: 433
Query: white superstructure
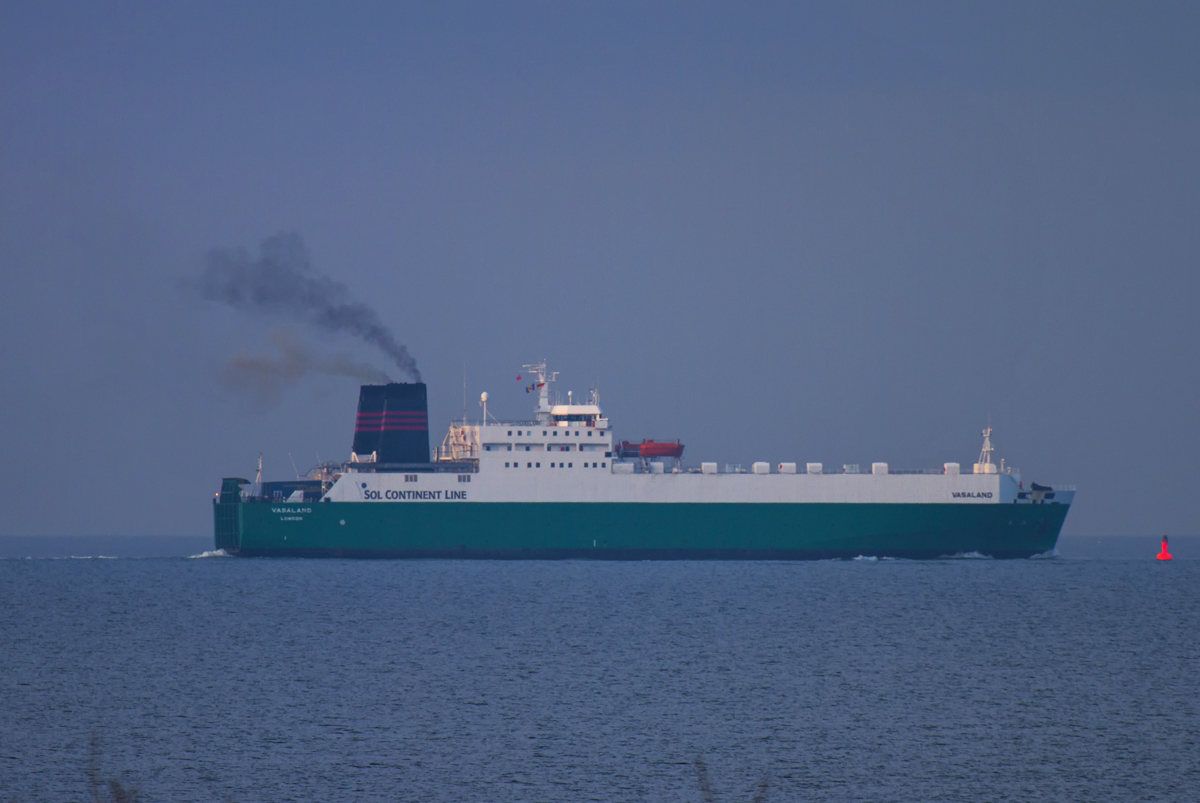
x: 567, y: 454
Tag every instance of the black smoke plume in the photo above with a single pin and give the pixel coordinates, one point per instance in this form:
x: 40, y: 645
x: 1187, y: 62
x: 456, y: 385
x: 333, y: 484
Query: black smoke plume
x: 266, y: 375
x: 282, y: 281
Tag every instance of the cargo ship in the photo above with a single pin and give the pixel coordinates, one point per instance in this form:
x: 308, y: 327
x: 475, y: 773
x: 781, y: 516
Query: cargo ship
x: 558, y: 486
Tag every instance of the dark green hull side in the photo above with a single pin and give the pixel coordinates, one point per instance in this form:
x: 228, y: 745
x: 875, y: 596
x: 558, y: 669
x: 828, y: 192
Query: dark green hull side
x: 635, y: 531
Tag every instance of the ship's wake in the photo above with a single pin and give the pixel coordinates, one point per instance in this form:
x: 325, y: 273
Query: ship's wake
x: 1053, y: 553
x: 215, y: 553
x: 966, y: 556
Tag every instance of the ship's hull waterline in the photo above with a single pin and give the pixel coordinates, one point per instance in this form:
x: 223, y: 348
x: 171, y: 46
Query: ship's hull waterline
x: 636, y: 531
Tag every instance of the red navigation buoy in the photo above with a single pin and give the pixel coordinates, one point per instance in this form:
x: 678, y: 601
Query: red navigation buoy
x: 1164, y: 555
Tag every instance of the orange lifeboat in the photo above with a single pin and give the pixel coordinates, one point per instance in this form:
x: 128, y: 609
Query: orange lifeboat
x: 652, y: 448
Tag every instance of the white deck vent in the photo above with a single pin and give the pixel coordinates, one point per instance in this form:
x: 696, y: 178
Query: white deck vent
x: 622, y: 468
x: 951, y: 469
x: 787, y: 468
x: 656, y: 467
x: 708, y: 468
x: 761, y: 468
x: 816, y: 468
x: 879, y: 468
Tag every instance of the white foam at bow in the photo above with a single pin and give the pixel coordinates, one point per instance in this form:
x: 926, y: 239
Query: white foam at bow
x: 216, y: 553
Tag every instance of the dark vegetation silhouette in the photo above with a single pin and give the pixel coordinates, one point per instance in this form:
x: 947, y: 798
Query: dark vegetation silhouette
x: 706, y: 791
x: 113, y: 791
x: 99, y: 790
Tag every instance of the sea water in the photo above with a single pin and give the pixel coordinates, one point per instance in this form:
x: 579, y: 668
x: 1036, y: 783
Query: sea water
x: 217, y: 678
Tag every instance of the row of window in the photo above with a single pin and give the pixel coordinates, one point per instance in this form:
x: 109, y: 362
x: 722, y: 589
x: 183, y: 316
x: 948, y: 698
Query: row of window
x: 491, y: 447
x: 529, y: 433
x: 413, y: 478
x: 552, y: 465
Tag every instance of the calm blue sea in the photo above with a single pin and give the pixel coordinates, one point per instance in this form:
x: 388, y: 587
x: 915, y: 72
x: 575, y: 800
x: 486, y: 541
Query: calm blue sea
x: 214, y: 679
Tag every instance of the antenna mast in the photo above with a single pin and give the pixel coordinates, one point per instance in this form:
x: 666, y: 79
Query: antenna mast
x: 544, y: 378
x: 985, y: 465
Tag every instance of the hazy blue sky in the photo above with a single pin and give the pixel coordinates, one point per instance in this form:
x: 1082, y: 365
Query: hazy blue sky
x: 835, y: 232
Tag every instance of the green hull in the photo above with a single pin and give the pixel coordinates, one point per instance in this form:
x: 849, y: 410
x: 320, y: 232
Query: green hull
x: 635, y: 531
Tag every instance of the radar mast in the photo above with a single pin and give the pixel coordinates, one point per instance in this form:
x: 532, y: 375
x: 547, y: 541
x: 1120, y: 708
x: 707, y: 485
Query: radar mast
x: 985, y: 464
x: 542, y: 385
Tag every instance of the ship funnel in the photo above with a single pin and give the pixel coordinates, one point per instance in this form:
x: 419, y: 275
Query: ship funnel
x: 393, y: 422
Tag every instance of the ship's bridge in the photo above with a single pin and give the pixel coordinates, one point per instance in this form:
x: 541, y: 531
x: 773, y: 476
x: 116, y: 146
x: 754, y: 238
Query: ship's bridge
x: 560, y: 436
x: 564, y: 415
x: 473, y: 440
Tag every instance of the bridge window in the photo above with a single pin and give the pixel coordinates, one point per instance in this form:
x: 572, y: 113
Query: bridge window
x: 510, y: 433
x: 506, y: 465
x: 539, y: 465
x: 410, y: 477
x: 570, y: 465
